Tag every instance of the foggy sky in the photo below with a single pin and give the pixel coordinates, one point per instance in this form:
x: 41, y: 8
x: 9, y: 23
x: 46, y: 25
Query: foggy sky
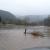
x: 26, y: 7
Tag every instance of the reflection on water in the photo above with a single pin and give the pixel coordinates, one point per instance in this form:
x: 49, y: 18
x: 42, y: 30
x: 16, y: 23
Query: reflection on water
x: 15, y: 39
x: 48, y: 31
x: 38, y: 48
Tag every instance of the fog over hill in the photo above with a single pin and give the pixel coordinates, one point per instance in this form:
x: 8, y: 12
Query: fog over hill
x: 11, y: 18
x: 7, y: 16
x: 33, y: 18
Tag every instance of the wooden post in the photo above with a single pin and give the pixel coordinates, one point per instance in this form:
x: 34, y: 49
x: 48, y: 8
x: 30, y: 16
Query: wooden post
x: 25, y: 29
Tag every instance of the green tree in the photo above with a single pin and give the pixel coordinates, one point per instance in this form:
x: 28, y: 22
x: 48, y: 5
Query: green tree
x: 0, y: 18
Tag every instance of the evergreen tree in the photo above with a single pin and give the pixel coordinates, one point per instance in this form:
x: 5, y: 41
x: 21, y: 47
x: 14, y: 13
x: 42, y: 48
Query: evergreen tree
x: 0, y: 18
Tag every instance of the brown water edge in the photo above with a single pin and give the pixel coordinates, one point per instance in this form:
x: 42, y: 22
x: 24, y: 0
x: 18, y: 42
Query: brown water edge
x: 15, y: 39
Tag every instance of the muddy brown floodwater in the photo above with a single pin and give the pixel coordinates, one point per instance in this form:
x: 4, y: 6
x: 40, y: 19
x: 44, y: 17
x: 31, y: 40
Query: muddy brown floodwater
x: 14, y: 39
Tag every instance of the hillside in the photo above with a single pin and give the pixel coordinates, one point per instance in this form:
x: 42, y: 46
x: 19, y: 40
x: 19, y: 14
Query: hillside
x: 7, y: 17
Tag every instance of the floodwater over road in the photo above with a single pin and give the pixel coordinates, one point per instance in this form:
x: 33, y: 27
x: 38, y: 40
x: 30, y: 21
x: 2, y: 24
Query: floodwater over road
x: 15, y: 39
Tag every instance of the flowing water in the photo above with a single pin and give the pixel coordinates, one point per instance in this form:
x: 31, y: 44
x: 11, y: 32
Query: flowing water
x: 15, y: 39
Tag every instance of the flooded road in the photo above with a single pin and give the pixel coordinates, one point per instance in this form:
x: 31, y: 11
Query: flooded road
x: 15, y: 39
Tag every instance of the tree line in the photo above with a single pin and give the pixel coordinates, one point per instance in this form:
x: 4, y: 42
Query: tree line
x: 45, y: 22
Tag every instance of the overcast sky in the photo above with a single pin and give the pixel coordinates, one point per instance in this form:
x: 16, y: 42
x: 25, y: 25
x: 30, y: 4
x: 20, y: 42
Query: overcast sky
x: 26, y: 7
